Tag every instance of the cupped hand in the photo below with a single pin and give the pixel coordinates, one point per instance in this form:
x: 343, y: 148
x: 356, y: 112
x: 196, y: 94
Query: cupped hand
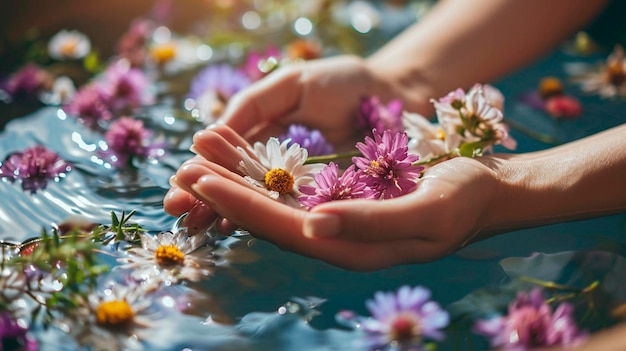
x: 444, y: 213
x: 323, y: 94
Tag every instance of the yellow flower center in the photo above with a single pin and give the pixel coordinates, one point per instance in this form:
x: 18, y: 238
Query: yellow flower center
x: 68, y: 48
x: 169, y: 255
x: 550, y: 86
x: 279, y: 180
x: 440, y: 134
x: 616, y: 72
x: 114, y: 313
x: 163, y: 53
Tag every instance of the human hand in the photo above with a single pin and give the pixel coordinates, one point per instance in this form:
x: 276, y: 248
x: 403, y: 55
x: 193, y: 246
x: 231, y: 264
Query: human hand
x: 321, y: 94
x: 446, y: 211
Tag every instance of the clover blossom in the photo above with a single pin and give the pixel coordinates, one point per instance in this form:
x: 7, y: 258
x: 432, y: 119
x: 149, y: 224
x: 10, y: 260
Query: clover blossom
x: 312, y: 140
x: 332, y: 187
x: 278, y: 168
x: 34, y: 167
x: 403, y: 320
x: 14, y: 334
x: 388, y: 166
x: 531, y: 323
x: 125, y: 87
x: 126, y: 140
x: 212, y: 88
x: 373, y: 114
x: 89, y: 105
x: 69, y: 44
x: 27, y: 82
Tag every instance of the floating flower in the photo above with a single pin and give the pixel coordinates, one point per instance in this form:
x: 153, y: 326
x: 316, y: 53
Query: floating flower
x: 427, y: 140
x: 332, y: 187
x: 260, y: 64
x: 387, y: 164
x: 279, y: 169
x: 89, y: 105
x: 531, y: 323
x: 14, y: 334
x: 34, y: 167
x: 27, y: 82
x: 125, y: 86
x: 127, y: 140
x: 169, y: 257
x: 608, y: 81
x: 312, y: 140
x: 212, y: 88
x: 62, y: 92
x: 373, y: 114
x: 115, y: 318
x: 563, y: 106
x: 68, y: 44
x: 404, y: 319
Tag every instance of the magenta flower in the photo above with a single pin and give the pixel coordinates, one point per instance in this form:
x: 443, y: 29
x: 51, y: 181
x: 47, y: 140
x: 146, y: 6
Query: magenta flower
x: 406, y: 317
x: 332, y: 187
x: 89, y: 105
x: 14, y: 335
x: 373, y: 114
x: 27, y: 82
x: 258, y: 64
x: 125, y: 87
x: 34, y: 167
x: 312, y: 140
x: 563, y: 106
x: 127, y: 139
x: 531, y: 323
x: 389, y: 168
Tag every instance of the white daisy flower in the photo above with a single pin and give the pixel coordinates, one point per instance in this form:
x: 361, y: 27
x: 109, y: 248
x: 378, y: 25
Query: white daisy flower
x: 116, y: 318
x: 168, y: 257
x: 12, y: 285
x: 608, y: 80
x: 426, y: 139
x: 69, y: 45
x: 62, y: 92
x: 279, y: 169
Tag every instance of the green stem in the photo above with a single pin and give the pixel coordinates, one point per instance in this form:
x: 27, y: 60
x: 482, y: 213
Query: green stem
x: 432, y: 160
x: 332, y: 157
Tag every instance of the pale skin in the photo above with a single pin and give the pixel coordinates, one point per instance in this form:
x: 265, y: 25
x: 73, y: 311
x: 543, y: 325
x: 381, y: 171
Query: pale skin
x: 458, y: 44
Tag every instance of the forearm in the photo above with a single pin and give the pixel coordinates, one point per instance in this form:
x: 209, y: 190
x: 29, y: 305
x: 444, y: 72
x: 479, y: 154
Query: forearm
x: 465, y: 42
x: 582, y: 179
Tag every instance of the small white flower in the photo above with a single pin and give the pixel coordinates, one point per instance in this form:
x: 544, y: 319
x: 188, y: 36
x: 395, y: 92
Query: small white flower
x: 608, y: 80
x: 426, y: 139
x: 62, y: 92
x: 169, y: 257
x: 278, y: 169
x: 69, y: 45
x: 116, y: 318
x: 12, y: 285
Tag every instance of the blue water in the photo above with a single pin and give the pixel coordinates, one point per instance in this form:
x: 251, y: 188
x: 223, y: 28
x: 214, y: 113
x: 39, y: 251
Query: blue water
x: 238, y: 307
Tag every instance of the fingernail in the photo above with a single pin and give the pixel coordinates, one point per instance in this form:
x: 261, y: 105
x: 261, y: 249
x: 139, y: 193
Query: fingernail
x: 193, y: 149
x: 199, y: 219
x: 321, y: 225
x: 215, y: 124
x: 172, y: 182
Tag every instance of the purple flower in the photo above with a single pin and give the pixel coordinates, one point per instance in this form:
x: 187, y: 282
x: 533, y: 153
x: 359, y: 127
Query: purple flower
x: 34, y: 167
x: 14, y: 335
x: 312, y: 140
x: 212, y: 88
x: 406, y: 317
x: 27, y: 82
x: 373, y: 114
x: 89, y: 106
x: 531, y: 323
x: 127, y: 139
x: 332, y: 187
x: 125, y: 87
x: 387, y: 164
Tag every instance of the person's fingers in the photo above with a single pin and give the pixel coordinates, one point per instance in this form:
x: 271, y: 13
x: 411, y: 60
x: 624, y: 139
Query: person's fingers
x: 283, y: 225
x: 211, y: 145
x: 177, y: 201
x: 267, y: 99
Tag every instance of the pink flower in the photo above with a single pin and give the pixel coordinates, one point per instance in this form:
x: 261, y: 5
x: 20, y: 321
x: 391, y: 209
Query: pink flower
x: 258, y: 65
x: 127, y: 139
x: 531, y: 323
x: 34, y: 167
x: 125, y: 87
x: 332, y: 187
x: 373, y: 114
x: 89, y: 105
x: 387, y: 164
x: 563, y: 106
x: 27, y: 82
